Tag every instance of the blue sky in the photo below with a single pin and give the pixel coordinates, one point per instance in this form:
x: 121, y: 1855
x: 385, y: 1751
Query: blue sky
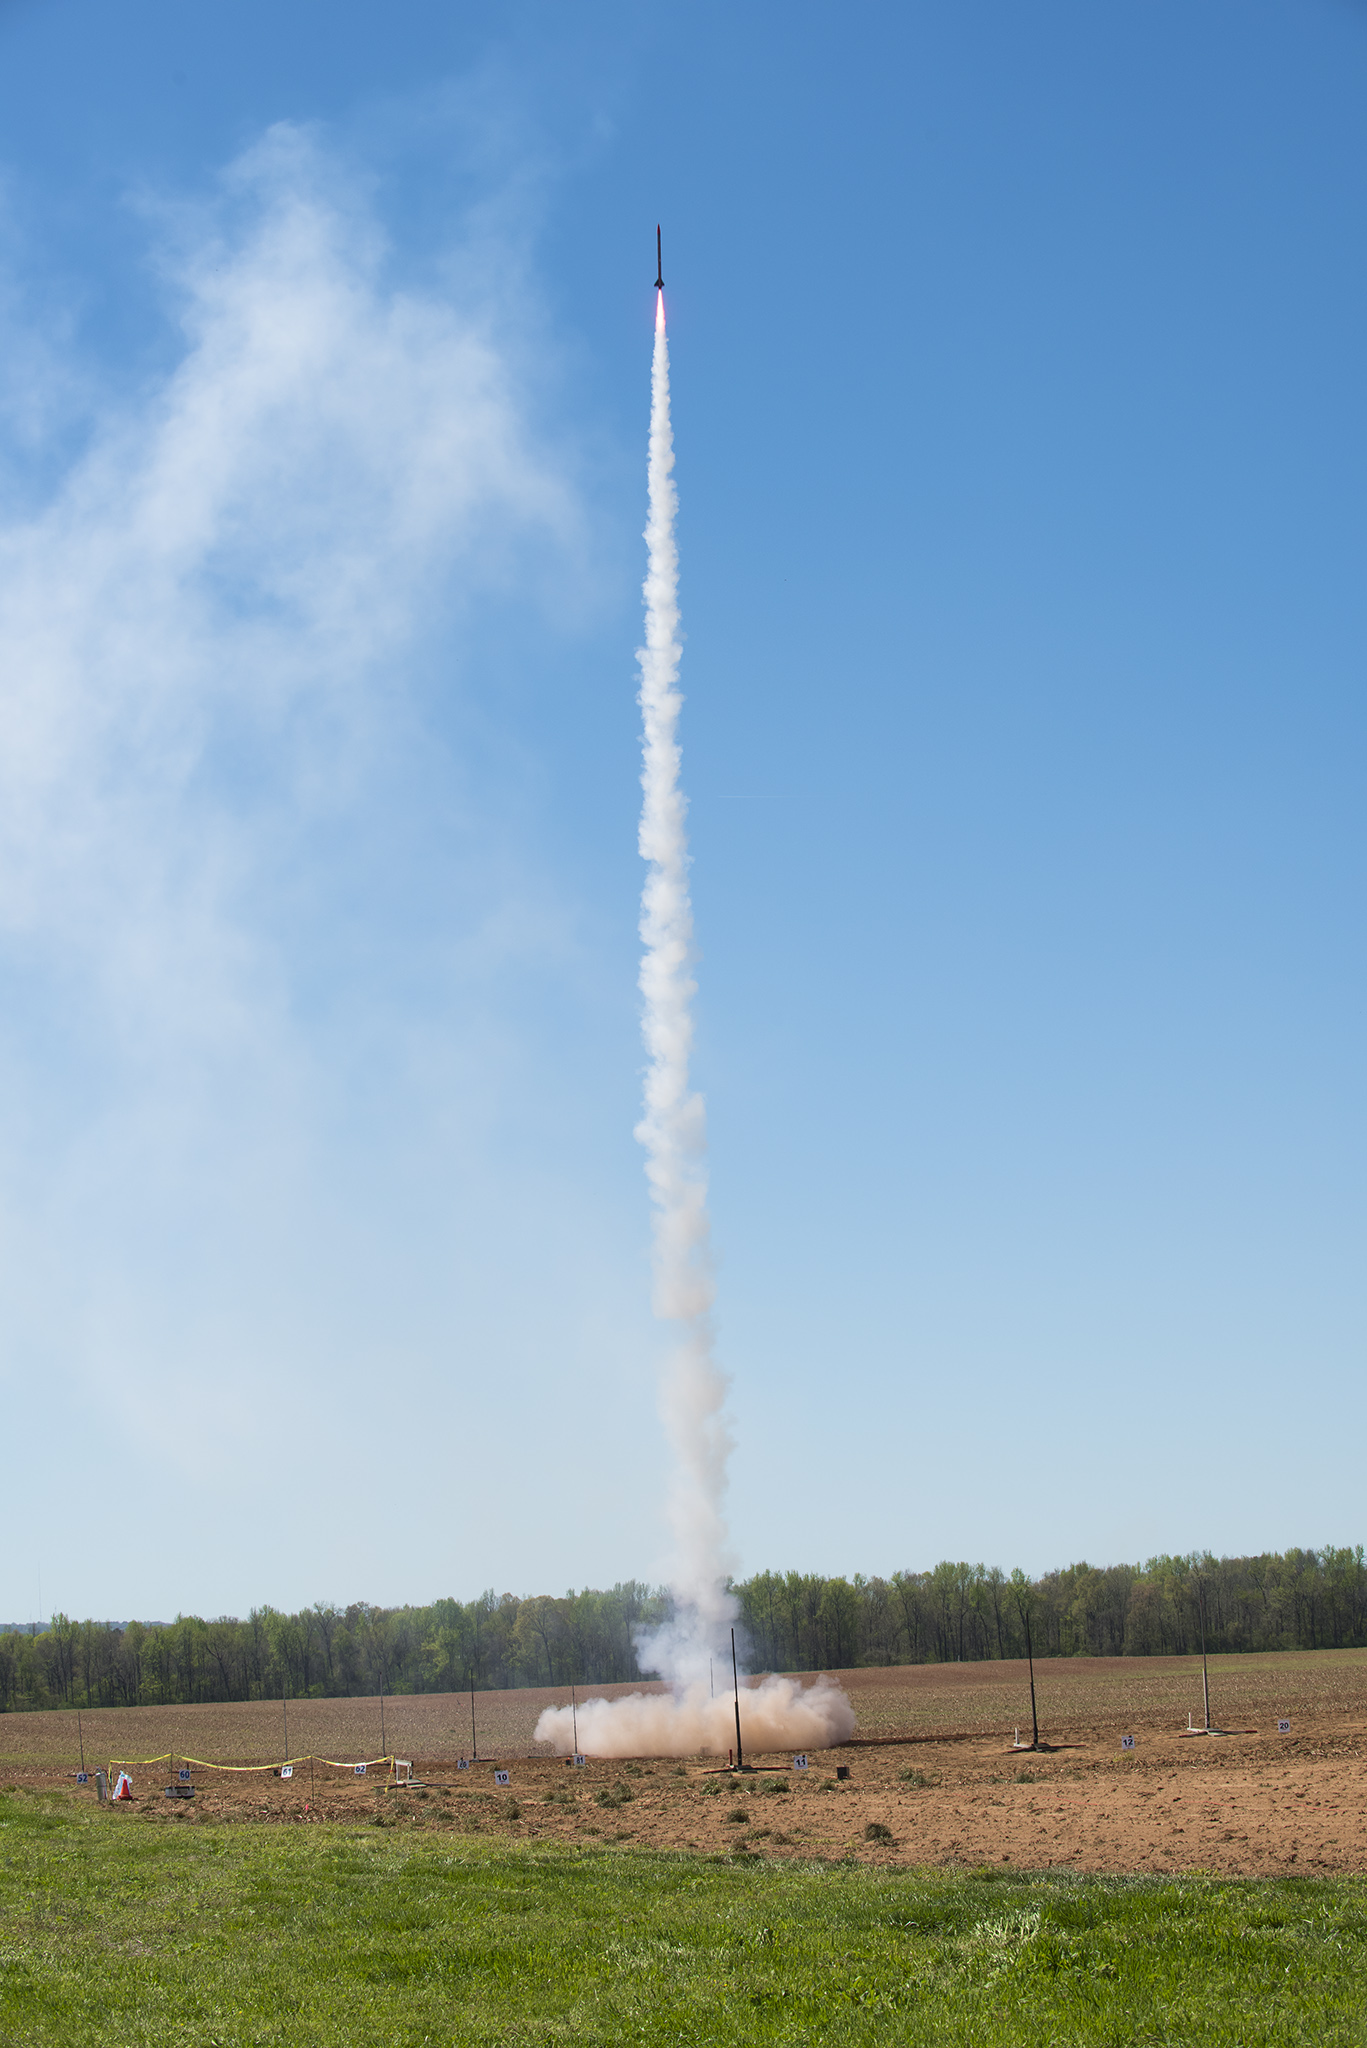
x: 1020, y: 418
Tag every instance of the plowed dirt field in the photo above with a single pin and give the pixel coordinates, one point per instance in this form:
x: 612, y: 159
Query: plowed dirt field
x: 932, y: 1775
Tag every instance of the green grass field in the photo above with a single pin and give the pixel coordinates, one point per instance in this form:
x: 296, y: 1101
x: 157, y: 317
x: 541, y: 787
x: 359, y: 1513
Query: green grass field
x: 116, y: 1930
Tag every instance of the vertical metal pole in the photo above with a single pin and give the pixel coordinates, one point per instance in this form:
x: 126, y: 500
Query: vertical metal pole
x: 1030, y: 1659
x: 286, y: 1712
x: 1205, y: 1674
x: 383, y: 1750
x: 79, y: 1737
x: 474, y: 1745
x: 574, y: 1709
x: 735, y: 1681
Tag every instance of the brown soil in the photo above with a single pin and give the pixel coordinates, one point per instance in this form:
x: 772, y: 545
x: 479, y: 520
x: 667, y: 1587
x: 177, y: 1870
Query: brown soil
x: 931, y: 1763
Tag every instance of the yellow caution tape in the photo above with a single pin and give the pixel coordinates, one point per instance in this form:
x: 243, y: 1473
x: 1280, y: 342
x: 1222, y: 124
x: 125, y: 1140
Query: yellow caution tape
x: 293, y: 1763
x: 200, y: 1765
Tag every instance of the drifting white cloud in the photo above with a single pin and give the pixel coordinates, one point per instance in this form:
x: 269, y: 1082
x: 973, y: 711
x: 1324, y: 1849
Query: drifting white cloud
x: 208, y: 633
x: 241, y: 559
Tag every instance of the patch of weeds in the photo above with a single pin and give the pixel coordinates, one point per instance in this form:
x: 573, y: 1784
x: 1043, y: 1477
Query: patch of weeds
x: 876, y: 1832
x: 680, y: 1772
x: 1010, y: 1939
x: 738, y: 1813
x: 511, y: 1810
x: 635, y: 1771
x: 1027, y: 1778
x: 712, y: 1789
x: 614, y: 1795
x: 911, y: 1776
x: 775, y: 1785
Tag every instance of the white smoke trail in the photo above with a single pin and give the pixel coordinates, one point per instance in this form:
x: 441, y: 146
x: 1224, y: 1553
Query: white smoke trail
x: 779, y: 1713
x: 673, y: 1128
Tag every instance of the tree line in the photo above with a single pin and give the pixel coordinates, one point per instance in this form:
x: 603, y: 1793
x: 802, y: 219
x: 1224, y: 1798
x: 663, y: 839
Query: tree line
x: 789, y: 1621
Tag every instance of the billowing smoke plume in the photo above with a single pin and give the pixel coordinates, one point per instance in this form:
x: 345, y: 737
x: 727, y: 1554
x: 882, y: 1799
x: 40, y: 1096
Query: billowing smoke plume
x: 776, y: 1714
x: 779, y: 1713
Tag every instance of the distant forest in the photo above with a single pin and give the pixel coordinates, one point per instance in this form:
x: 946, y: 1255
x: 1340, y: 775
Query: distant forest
x: 793, y: 1621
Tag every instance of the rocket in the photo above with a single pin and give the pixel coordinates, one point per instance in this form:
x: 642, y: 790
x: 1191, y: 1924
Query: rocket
x: 659, y: 264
